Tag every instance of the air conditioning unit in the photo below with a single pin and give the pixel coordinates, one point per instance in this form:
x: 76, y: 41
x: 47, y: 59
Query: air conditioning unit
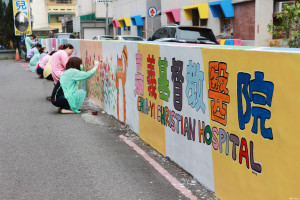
x: 279, y: 6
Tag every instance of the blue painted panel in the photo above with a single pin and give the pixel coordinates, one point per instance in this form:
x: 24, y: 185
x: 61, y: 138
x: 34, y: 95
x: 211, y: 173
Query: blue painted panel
x: 226, y: 7
x: 137, y: 20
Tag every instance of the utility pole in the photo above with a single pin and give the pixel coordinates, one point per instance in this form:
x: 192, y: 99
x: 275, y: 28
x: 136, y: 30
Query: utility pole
x: 106, y: 20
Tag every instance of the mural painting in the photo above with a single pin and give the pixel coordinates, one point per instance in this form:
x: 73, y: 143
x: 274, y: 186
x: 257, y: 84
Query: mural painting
x: 91, y: 51
x: 225, y: 116
x: 248, y: 150
x: 122, y: 65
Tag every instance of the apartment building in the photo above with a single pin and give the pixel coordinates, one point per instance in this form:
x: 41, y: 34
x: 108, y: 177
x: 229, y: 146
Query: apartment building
x: 51, y: 14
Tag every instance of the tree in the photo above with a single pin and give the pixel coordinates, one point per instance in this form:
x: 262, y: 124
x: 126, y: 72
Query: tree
x: 7, y: 23
x: 289, y: 28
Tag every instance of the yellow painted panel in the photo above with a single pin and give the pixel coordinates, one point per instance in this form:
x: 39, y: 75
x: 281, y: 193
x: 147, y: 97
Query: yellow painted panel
x: 121, y: 22
x: 278, y: 157
x: 127, y: 21
x: 202, y: 9
x: 150, y: 130
x: 222, y: 42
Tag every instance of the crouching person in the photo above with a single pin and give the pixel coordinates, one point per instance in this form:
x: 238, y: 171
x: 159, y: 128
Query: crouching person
x: 65, y: 95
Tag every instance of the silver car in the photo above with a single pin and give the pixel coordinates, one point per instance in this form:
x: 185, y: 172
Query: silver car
x: 103, y: 37
x: 128, y: 38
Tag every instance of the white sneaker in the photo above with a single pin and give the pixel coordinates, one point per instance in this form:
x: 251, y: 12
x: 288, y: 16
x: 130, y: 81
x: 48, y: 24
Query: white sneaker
x: 64, y: 111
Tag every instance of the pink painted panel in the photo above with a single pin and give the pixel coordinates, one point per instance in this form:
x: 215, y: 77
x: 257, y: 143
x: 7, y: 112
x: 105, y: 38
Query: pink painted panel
x: 115, y: 23
x: 173, y: 15
x: 237, y: 42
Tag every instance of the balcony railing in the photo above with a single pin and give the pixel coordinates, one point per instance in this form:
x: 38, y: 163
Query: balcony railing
x: 53, y: 2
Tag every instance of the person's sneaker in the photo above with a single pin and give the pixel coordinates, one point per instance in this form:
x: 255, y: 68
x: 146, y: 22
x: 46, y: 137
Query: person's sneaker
x: 59, y: 110
x: 64, y: 111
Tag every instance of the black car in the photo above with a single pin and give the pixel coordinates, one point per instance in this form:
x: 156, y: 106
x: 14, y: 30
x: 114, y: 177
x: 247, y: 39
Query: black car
x: 184, y: 34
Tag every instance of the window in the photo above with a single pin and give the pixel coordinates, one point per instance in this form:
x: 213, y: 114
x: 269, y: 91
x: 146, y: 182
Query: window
x: 196, y: 18
x: 226, y: 24
x: 140, y: 31
x: 64, y: 1
x: 160, y: 33
x: 170, y: 32
x: 144, y: 28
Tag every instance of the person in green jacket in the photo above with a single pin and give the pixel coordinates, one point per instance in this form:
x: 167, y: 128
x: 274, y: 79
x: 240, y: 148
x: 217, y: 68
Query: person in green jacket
x: 65, y: 95
x: 29, y: 42
x: 36, y: 58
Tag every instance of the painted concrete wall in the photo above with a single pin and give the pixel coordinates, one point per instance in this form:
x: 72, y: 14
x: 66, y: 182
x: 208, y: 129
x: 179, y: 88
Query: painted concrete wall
x: 225, y: 114
x: 263, y: 16
x: 40, y: 14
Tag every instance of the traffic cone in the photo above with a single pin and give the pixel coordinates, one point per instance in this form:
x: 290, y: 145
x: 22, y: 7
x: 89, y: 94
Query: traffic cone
x: 17, y: 55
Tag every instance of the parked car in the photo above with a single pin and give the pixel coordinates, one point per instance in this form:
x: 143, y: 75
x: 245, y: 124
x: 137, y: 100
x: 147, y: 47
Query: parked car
x: 128, y: 38
x: 103, y: 37
x: 184, y: 34
x: 64, y: 36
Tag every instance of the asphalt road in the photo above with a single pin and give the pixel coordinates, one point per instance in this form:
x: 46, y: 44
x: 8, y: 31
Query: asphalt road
x: 47, y: 155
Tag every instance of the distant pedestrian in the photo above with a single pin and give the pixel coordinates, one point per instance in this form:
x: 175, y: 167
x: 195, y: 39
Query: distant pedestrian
x: 51, y: 34
x: 59, y: 61
x: 65, y: 95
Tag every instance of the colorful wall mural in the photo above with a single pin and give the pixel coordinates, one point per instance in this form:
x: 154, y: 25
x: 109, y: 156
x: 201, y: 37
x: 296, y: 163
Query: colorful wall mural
x: 226, y: 115
x: 236, y: 42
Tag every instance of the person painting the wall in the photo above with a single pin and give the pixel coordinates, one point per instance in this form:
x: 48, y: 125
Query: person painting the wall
x: 47, y: 70
x: 59, y: 61
x: 29, y: 42
x: 35, y: 59
x: 42, y: 64
x: 65, y: 95
x: 33, y: 51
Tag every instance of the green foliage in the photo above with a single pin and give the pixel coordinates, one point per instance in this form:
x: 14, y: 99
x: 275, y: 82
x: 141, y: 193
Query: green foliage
x: 289, y: 28
x: 7, y: 32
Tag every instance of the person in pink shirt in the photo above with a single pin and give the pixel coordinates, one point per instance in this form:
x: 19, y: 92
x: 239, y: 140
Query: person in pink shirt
x: 59, y: 61
x: 42, y: 64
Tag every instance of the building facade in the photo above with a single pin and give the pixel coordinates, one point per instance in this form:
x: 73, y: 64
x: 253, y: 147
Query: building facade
x: 91, y: 19
x: 52, y: 14
x: 246, y: 20
x: 58, y: 10
x: 132, y: 18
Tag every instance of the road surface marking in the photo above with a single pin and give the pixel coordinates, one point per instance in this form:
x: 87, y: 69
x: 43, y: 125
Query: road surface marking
x: 160, y: 169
